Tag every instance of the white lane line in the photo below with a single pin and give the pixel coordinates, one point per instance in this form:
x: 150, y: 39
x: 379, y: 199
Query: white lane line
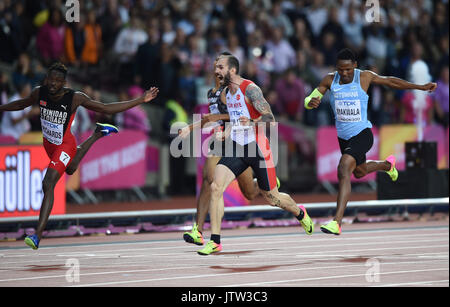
x: 252, y: 272
x: 194, y: 276
x: 424, y: 258
x: 258, y: 284
x: 258, y: 236
x: 231, y: 253
x: 296, y: 244
x: 430, y: 283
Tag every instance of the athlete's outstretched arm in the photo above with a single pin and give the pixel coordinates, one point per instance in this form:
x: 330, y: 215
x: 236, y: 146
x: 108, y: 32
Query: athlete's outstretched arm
x: 211, y: 118
x: 114, y: 107
x: 399, y: 84
x: 21, y: 104
x: 313, y: 100
x: 206, y: 118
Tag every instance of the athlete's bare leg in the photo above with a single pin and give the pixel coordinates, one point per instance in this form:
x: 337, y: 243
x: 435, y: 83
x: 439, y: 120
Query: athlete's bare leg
x: 281, y: 200
x: 52, y: 177
x: 82, y: 149
x: 285, y: 202
x: 48, y: 186
x: 347, y: 166
x: 248, y: 185
x: 223, y: 176
x: 203, y: 200
x: 371, y: 166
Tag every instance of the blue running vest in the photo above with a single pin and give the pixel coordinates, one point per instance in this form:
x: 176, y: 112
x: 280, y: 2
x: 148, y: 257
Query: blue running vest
x: 349, y: 105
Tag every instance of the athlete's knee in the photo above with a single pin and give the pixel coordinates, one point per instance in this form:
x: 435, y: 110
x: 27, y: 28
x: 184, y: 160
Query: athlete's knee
x: 70, y: 170
x: 216, y: 190
x: 208, y: 178
x: 344, y: 170
x: 72, y: 167
x: 359, y: 173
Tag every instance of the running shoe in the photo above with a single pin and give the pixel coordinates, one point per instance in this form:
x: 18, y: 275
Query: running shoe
x: 194, y: 236
x: 393, y: 173
x: 32, y: 241
x: 331, y: 228
x: 106, y: 129
x: 306, y: 222
x: 211, y: 247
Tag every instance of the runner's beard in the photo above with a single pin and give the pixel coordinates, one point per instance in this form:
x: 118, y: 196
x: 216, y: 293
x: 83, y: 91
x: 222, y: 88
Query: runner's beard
x: 227, y: 79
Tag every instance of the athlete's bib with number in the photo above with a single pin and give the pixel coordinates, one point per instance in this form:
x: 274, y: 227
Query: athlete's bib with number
x: 52, y: 132
x: 348, y: 111
x: 213, y: 109
x: 64, y: 158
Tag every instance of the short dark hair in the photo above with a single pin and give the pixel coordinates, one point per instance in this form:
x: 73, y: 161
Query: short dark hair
x: 224, y: 53
x: 233, y: 62
x: 60, y: 67
x: 346, y: 54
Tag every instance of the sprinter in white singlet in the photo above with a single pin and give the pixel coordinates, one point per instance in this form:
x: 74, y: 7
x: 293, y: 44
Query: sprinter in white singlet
x: 246, y: 105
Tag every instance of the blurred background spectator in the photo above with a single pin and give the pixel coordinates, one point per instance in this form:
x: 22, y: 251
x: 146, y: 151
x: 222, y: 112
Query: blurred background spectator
x: 16, y: 123
x: 291, y: 94
x: 134, y: 118
x: 126, y: 46
x: 281, y: 52
x: 26, y: 72
x: 83, y: 41
x: 50, y: 38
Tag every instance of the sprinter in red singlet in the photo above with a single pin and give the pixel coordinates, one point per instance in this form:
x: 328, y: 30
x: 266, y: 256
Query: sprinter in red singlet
x: 58, y: 105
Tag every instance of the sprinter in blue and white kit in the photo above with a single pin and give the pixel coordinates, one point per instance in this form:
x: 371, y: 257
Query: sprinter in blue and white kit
x: 349, y: 104
x: 348, y: 86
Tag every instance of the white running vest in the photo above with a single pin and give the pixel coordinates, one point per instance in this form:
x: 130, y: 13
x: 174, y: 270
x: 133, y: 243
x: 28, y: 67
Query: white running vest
x: 237, y: 107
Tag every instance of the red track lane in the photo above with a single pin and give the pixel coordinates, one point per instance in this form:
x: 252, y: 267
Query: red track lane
x: 369, y: 254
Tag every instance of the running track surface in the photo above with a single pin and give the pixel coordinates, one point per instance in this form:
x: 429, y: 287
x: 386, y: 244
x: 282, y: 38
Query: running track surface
x: 367, y: 254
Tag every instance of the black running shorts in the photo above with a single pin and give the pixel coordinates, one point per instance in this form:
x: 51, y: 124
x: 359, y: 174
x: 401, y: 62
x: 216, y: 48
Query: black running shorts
x: 256, y: 155
x: 357, y: 146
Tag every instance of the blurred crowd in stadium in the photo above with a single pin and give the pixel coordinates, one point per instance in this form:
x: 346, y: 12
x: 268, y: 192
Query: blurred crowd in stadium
x: 121, y: 47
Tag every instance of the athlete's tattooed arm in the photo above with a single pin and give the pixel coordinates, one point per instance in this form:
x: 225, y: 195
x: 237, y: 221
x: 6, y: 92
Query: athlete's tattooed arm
x: 256, y: 97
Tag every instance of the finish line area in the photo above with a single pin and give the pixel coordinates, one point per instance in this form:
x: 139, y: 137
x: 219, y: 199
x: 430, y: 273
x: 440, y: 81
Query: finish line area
x: 381, y: 254
x: 118, y: 222
x: 403, y: 251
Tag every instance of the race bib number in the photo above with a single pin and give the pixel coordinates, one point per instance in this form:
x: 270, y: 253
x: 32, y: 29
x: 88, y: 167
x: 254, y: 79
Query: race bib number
x: 348, y: 110
x: 64, y: 158
x: 237, y: 125
x: 52, y: 132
